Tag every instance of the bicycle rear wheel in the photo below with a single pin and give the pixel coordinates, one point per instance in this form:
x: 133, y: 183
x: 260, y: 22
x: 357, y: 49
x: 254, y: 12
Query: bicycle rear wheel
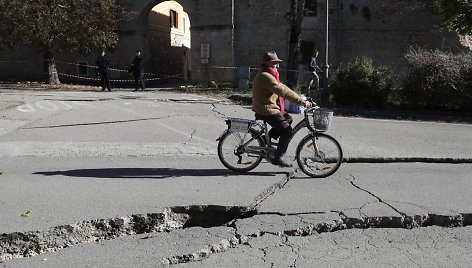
x: 240, y: 158
x: 319, y: 155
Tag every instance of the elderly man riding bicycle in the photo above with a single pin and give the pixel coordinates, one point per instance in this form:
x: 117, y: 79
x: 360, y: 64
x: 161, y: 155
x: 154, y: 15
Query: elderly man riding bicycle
x: 268, y: 95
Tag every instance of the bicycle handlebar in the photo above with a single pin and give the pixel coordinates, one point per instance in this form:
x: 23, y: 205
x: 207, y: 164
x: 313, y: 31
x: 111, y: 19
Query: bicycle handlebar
x: 314, y: 106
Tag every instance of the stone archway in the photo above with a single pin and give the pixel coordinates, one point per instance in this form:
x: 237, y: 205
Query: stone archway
x: 140, y: 34
x: 168, y: 39
x: 212, y: 22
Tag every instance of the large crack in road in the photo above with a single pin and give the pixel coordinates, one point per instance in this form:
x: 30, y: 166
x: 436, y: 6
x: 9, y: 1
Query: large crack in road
x: 102, y: 123
x: 31, y: 243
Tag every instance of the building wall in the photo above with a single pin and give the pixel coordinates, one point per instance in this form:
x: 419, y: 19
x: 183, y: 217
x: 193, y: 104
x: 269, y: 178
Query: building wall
x: 259, y: 28
x: 22, y: 63
x: 212, y: 27
x: 237, y: 32
x: 366, y: 28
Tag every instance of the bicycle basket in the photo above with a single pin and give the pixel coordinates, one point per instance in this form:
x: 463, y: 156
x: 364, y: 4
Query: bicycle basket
x: 322, y: 119
x: 239, y: 125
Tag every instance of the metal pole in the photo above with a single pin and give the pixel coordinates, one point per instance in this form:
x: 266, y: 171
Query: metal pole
x: 325, y: 94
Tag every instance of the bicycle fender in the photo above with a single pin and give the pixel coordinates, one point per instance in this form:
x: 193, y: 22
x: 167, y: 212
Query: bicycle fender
x: 221, y: 135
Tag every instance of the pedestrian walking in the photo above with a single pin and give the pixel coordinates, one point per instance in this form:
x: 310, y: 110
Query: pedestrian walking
x: 137, y: 69
x: 314, y: 77
x: 103, y: 65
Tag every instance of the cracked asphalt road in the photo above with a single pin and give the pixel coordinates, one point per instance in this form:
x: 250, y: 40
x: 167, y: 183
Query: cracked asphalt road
x: 129, y: 180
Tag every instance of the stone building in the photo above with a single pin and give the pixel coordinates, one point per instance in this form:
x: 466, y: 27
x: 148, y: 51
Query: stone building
x: 373, y: 28
x: 209, y: 39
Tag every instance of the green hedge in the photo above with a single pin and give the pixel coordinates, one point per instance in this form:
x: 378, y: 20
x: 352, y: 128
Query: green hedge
x: 438, y: 80
x: 360, y: 84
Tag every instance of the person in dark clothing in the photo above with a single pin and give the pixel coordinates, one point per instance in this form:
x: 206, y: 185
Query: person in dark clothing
x: 103, y: 65
x: 137, y: 68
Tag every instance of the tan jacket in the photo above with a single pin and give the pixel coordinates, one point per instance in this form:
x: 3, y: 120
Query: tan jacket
x: 265, y: 92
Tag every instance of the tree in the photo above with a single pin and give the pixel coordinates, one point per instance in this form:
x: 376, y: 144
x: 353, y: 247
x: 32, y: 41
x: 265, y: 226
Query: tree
x: 295, y: 18
x: 56, y: 26
x: 457, y: 14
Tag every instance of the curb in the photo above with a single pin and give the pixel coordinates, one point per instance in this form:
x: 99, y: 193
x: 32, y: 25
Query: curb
x: 380, y: 160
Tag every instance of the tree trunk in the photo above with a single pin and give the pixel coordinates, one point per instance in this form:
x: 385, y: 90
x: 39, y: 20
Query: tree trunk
x: 51, y: 76
x: 296, y: 9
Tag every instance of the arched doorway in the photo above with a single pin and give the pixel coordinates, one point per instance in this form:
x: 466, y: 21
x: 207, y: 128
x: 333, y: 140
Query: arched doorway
x: 168, y: 38
x: 212, y: 27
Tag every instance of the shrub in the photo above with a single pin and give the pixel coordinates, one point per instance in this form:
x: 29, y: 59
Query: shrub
x: 438, y: 80
x: 360, y: 84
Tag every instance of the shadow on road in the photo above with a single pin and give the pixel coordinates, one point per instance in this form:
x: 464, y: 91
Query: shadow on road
x: 150, y: 173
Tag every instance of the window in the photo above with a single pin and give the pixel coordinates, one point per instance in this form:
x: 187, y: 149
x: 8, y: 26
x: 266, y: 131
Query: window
x: 173, y: 19
x: 311, y: 8
x: 82, y: 68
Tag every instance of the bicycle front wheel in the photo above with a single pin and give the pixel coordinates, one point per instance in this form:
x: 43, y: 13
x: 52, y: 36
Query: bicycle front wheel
x: 319, y: 155
x: 239, y: 157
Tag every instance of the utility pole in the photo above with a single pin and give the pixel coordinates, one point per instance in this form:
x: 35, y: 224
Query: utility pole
x: 325, y: 93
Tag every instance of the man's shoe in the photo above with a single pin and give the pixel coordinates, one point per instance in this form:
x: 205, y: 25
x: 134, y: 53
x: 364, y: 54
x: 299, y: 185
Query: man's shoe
x: 280, y: 162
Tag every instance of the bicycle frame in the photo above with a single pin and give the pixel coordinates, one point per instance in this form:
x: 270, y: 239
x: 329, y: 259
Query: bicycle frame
x: 261, y: 130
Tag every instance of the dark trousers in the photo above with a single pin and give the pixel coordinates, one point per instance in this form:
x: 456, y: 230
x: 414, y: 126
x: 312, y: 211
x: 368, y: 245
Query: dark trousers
x: 281, y: 127
x: 104, y: 80
x: 139, y: 81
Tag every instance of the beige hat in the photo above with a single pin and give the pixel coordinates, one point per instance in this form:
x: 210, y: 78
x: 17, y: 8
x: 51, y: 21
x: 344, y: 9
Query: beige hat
x: 270, y: 56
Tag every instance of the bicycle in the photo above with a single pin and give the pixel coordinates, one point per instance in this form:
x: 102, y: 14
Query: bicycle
x: 245, y: 143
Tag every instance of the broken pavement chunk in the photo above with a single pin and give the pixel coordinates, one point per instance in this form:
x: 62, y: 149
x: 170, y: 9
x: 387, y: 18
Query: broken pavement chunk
x: 26, y: 214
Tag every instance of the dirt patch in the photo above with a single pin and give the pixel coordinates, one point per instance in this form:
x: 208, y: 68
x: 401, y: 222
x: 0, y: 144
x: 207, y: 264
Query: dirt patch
x: 237, y: 96
x: 44, y: 86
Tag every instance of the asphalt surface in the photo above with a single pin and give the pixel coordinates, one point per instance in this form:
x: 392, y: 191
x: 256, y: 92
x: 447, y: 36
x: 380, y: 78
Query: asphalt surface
x: 71, y: 160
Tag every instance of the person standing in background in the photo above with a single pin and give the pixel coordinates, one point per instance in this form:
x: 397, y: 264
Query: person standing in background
x: 137, y: 68
x: 103, y: 65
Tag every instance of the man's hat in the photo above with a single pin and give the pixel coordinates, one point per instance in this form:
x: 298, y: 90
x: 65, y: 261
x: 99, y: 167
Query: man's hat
x: 271, y: 56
